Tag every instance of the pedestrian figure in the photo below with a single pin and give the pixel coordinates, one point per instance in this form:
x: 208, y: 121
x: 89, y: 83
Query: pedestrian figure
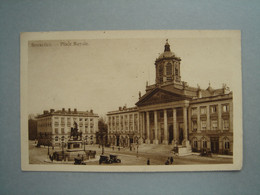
x: 118, y: 148
x: 148, y: 161
x: 167, y: 162
x: 171, y: 159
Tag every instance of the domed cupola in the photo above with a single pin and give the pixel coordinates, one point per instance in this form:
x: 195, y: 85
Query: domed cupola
x: 167, y: 66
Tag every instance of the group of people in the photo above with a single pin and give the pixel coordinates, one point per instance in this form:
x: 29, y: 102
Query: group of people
x: 169, y: 161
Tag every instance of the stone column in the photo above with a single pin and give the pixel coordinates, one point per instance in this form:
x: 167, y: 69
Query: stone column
x: 143, y: 126
x: 198, y: 120
x: 147, y: 128
x: 231, y: 118
x: 175, y: 134
x: 66, y: 127
x: 128, y: 122
x: 88, y: 125
x: 208, y: 118
x: 219, y: 118
x: 123, y: 123
x: 138, y: 123
x: 165, y: 139
x: 155, y: 141
x: 133, y: 122
x: 189, y: 119
x: 119, y: 120
x: 185, y: 130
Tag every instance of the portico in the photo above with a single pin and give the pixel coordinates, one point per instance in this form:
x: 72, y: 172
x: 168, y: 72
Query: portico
x: 165, y: 123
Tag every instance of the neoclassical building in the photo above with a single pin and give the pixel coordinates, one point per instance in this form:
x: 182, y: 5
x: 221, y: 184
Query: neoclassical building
x: 54, y: 127
x: 172, y: 112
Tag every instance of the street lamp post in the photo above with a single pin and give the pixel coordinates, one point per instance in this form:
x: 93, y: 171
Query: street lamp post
x: 84, y: 142
x: 137, y: 146
x: 62, y: 145
x: 49, y: 141
x: 103, y: 143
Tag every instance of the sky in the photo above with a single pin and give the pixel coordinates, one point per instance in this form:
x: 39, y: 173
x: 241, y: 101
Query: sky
x: 103, y: 73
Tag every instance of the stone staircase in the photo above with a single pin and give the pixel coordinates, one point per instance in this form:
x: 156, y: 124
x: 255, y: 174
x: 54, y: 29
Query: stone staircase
x: 182, y: 150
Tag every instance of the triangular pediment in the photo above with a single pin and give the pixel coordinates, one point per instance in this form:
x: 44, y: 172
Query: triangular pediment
x: 158, y: 96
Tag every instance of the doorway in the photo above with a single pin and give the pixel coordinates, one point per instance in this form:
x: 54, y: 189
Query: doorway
x: 214, y: 143
x: 117, y: 140
x: 180, y: 133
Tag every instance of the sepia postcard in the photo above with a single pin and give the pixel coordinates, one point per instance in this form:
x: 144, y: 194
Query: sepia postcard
x: 131, y: 101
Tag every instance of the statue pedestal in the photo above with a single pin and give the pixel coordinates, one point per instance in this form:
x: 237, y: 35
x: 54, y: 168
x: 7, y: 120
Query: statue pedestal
x: 74, y: 145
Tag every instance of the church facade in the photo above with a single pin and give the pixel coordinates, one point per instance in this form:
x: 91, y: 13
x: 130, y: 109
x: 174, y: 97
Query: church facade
x: 172, y: 112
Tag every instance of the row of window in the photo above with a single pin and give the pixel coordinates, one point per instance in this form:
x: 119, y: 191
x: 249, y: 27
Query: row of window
x: 205, y: 144
x: 213, y: 109
x: 69, y: 124
x: 74, y: 119
x: 126, y: 127
x: 63, y: 130
x: 63, y: 138
x: 213, y: 125
x: 114, y: 119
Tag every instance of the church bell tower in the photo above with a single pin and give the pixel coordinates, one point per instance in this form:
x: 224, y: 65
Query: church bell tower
x: 167, y: 66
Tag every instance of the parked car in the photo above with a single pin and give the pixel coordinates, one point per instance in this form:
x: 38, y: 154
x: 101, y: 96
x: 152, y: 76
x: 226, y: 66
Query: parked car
x: 104, y: 159
x: 206, y: 152
x: 114, y: 159
x: 79, y: 161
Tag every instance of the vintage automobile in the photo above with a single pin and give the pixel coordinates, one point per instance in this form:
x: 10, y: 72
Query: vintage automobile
x: 79, y: 161
x: 104, y: 159
x: 206, y: 152
x: 114, y: 159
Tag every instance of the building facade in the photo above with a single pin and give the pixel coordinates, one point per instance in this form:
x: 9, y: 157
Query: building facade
x: 190, y: 118
x: 54, y: 127
x: 123, y: 127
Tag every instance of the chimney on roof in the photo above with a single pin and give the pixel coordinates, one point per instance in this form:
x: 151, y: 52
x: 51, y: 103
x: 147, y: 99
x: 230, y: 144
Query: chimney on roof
x: 63, y: 109
x: 91, y: 111
x: 45, y: 112
x: 52, y: 110
x: 120, y: 108
x: 69, y: 110
x: 75, y: 110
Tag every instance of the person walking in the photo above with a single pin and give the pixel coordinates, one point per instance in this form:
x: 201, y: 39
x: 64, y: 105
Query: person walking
x: 171, y: 159
x: 148, y: 161
x: 167, y: 162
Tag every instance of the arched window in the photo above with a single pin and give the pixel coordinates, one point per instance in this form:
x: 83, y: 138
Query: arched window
x: 169, y: 72
x: 176, y: 71
x: 161, y: 73
x: 204, y: 143
x: 62, y: 138
x: 226, y: 145
x: 169, y: 69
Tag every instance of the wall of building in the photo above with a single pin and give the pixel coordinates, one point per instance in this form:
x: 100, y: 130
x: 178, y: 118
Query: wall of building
x: 214, y: 127
x: 123, y: 128
x: 57, y: 128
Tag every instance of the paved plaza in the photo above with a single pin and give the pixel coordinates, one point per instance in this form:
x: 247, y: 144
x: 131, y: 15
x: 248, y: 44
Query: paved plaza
x: 157, y: 154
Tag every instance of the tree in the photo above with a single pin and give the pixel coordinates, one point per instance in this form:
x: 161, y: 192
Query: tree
x: 32, y: 127
x: 102, y: 133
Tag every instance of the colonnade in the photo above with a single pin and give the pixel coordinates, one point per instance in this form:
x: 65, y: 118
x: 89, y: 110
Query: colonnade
x: 146, y: 126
